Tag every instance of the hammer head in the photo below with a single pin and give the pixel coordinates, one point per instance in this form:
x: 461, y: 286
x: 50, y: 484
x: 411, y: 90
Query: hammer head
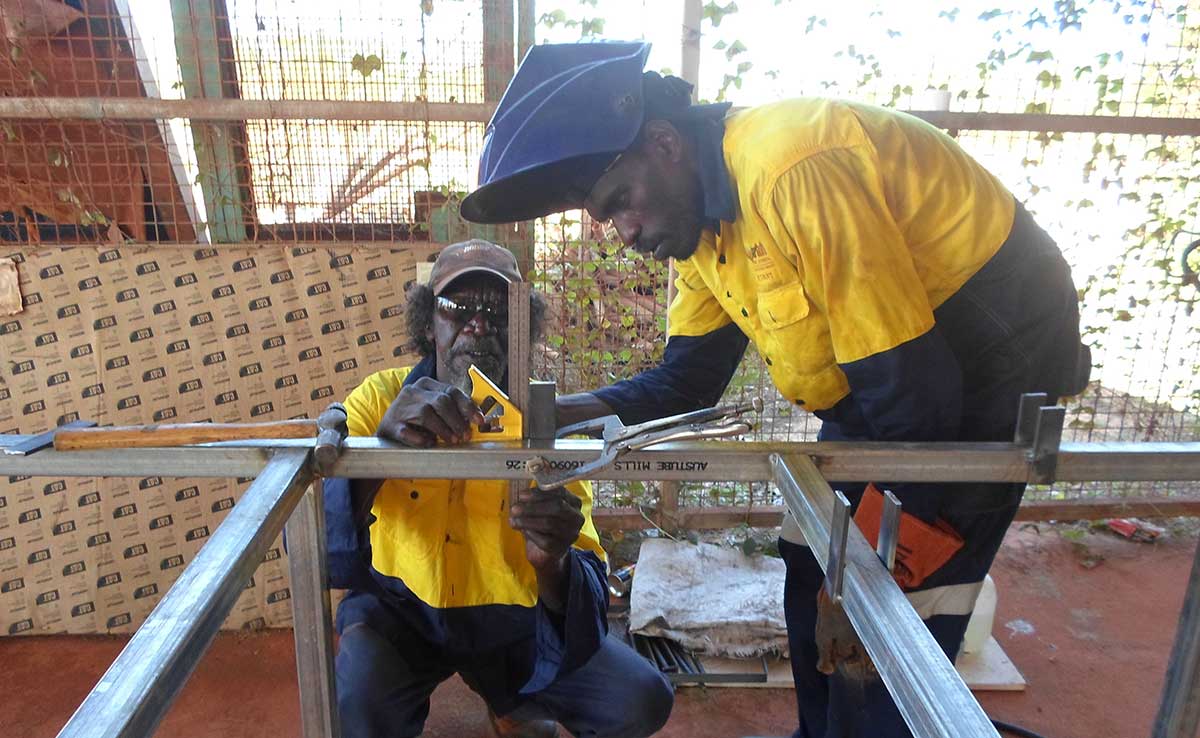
x: 331, y: 432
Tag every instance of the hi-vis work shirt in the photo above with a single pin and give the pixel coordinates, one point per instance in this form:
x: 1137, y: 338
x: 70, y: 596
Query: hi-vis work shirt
x: 848, y: 225
x: 442, y: 553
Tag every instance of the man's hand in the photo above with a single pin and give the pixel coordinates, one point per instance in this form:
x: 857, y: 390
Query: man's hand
x: 838, y: 645
x: 427, y: 410
x: 550, y: 520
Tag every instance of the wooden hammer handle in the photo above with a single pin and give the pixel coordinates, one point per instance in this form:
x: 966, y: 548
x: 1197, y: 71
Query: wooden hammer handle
x: 181, y: 434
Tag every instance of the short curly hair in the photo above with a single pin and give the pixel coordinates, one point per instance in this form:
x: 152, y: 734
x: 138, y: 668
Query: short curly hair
x: 418, y: 318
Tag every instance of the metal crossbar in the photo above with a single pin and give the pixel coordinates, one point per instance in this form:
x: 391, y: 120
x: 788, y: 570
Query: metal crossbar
x: 134, y: 694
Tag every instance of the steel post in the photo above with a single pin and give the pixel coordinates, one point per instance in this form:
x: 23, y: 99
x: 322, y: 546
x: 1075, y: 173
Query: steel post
x: 929, y: 693
x: 134, y: 694
x: 1179, y: 713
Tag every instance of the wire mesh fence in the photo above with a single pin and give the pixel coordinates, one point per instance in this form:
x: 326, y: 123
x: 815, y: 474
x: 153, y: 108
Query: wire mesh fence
x: 1121, y: 205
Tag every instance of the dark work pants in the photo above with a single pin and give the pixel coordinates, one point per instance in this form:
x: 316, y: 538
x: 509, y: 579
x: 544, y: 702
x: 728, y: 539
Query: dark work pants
x: 384, y: 692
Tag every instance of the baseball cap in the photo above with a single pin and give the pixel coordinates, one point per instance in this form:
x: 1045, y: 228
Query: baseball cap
x: 468, y: 257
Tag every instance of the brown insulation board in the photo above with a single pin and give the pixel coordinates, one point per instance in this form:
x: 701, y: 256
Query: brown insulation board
x: 133, y: 335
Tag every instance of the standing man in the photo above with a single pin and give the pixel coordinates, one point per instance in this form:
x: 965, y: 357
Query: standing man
x: 444, y: 578
x: 891, y: 284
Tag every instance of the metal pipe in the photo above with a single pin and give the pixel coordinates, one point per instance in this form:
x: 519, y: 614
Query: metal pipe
x: 134, y: 694
x: 702, y: 461
x: 305, y: 533
x: 217, y: 109
x: 929, y: 693
x: 1179, y: 713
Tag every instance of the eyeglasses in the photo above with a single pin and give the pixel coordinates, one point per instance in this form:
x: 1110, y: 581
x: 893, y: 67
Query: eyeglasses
x: 461, y: 312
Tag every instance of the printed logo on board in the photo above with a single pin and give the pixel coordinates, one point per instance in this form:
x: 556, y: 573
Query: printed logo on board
x: 58, y: 378
x: 116, y: 621
x: 12, y: 585
x: 55, y: 487
x: 31, y: 408
x: 67, y: 526
x: 164, y: 307
x: 7, y: 543
x: 196, y: 534
x: 21, y: 626
x: 175, y: 347
x: 127, y: 294
x: 333, y: 326
x: 67, y: 311
x: 279, y: 595
x: 99, y: 539
x: 31, y: 299
x: 310, y: 353
x: 222, y: 504
x: 341, y: 260
x: 226, y: 397
x: 21, y: 367
x: 246, y: 264
x: 137, y: 549
x: 108, y: 256
x: 185, y: 280
x: 30, y: 515
x: 190, y: 385
x: 73, y: 568
x: 88, y: 283
x: 38, y: 556
x: 262, y: 408
x: 126, y: 403
x: 146, y: 590
x: 302, y: 250
x: 171, y: 562
x: 124, y: 511
x: 117, y: 362
x: 222, y: 290
x: 83, y: 608
x: 345, y: 365
x: 391, y: 311
x: 108, y: 580
x: 10, y: 327
x: 273, y: 342
x: 187, y: 493
x: 107, y: 321
x: 350, y: 301
x: 65, y: 418
x: 205, y: 253
x: 288, y: 380
x: 319, y: 288
x: 46, y: 598
x: 282, y: 276
x: 294, y: 315
x: 368, y: 338
x: 88, y: 498
x: 149, y: 483
x: 141, y: 334
x: 216, y: 357
x: 200, y: 319
x: 259, y: 303
x: 51, y: 271
x: 239, y: 329
x: 322, y: 392
x: 154, y: 374
x: 378, y: 272
x: 162, y: 521
x: 92, y: 390
x: 148, y: 267
x: 81, y: 350
x: 43, y: 340
x: 249, y: 370
x: 271, y: 555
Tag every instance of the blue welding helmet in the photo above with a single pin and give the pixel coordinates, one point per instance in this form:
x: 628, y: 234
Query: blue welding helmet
x: 569, y: 111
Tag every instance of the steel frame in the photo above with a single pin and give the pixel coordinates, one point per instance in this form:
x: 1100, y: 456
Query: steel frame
x: 134, y: 694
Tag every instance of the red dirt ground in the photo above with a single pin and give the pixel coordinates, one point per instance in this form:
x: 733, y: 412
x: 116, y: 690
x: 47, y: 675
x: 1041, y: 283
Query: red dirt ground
x: 1103, y: 613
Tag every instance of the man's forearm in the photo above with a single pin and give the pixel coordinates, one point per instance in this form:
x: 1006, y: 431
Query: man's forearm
x: 554, y: 584
x: 581, y: 406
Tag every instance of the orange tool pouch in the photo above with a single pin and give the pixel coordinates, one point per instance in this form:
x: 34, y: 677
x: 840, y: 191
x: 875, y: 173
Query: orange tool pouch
x: 921, y: 548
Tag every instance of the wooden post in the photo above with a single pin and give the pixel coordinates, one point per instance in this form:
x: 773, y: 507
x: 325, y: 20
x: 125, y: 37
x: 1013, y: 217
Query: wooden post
x: 497, y: 48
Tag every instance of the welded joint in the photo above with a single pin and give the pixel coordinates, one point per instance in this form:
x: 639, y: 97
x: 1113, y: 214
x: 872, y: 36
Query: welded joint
x: 839, y: 531
x: 1027, y: 417
x: 889, y: 530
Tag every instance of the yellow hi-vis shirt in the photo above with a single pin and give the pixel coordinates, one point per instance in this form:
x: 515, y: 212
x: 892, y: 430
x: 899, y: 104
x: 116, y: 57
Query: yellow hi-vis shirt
x: 449, y: 540
x: 852, y: 224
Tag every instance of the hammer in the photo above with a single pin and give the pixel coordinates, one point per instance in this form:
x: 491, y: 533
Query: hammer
x: 332, y: 432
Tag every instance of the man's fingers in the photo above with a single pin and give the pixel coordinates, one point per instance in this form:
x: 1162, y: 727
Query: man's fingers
x: 408, y: 435
x: 451, y: 413
x: 466, y: 406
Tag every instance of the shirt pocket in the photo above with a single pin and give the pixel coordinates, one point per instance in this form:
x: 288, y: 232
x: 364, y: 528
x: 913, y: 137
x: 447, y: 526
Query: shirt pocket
x: 783, y: 306
x: 793, y: 338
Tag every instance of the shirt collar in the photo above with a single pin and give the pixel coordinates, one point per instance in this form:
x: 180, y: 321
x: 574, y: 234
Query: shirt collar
x: 719, y: 202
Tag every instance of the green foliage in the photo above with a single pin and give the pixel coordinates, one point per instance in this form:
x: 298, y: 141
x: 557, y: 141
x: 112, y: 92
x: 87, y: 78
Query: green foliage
x: 365, y: 65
